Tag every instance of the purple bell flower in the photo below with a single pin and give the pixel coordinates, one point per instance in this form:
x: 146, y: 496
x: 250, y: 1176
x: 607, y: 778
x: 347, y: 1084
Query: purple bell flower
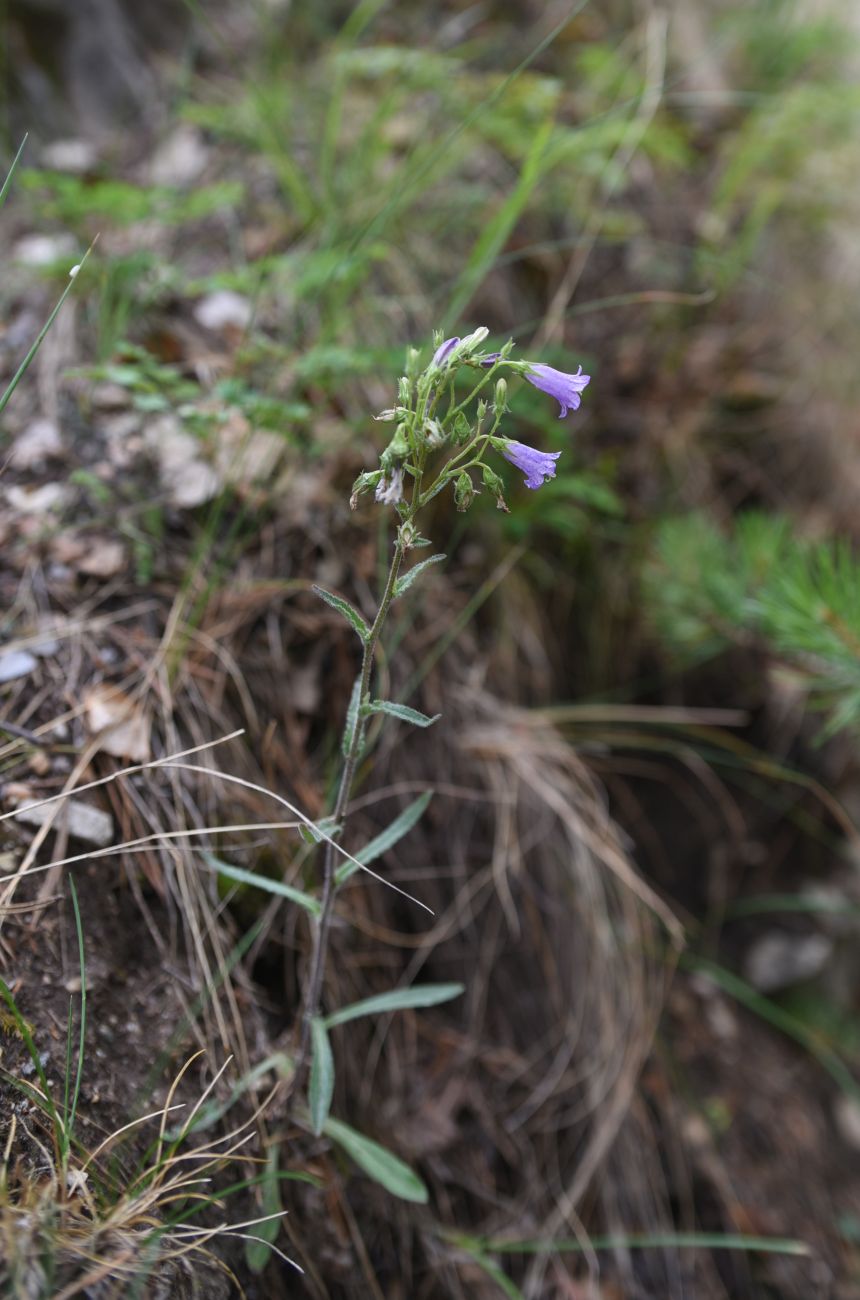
x: 538, y: 466
x: 444, y: 350
x: 563, y: 387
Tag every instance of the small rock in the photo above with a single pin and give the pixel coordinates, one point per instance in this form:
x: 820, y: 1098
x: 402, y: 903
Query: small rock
x: 777, y: 960
x: 83, y: 821
x: 44, y: 250
x: 39, y: 441
x: 17, y: 663
x: 188, y: 480
x: 222, y: 310
x: 76, y: 157
x: 38, y: 500
x: 103, y: 558
x: 181, y: 158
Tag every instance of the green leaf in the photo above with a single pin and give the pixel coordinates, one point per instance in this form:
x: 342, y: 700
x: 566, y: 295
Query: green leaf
x: 386, y: 839
x: 243, y: 877
x: 342, y: 606
x: 419, y: 995
x: 258, y: 1253
x: 379, y: 1164
x: 316, y: 832
x: 322, y: 1075
x: 403, y: 712
x: 351, y: 718
x: 405, y: 581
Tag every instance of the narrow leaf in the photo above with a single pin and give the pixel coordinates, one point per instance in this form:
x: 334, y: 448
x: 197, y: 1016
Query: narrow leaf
x: 11, y: 172
x: 322, y: 1075
x: 243, y: 877
x: 40, y: 338
x: 386, y: 839
x: 316, y: 832
x: 379, y: 1164
x: 258, y: 1252
x: 419, y: 995
x: 351, y: 718
x: 403, y: 712
x: 405, y: 581
x: 342, y: 606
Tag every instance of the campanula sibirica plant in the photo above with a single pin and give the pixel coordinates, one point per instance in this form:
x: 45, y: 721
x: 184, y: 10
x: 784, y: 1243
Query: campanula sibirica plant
x: 440, y: 440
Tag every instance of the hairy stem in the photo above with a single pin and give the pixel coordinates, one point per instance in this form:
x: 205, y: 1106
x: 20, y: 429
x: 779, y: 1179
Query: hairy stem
x: 329, y: 890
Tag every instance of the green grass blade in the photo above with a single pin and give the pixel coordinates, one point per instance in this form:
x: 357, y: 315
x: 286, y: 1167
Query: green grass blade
x: 495, y: 233
x: 11, y: 172
x: 19, y: 373
x: 24, y: 1030
x: 776, y: 1016
x: 636, y: 1241
x: 79, y: 930
x: 419, y: 995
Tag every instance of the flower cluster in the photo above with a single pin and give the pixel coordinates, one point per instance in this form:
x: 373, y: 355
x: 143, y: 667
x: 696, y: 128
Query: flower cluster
x: 429, y: 418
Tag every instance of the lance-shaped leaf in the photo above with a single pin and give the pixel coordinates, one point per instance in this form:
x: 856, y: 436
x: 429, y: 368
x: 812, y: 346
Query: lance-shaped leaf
x: 419, y: 995
x: 401, y: 711
x: 243, y: 877
x: 379, y: 1164
x: 352, y: 720
x: 386, y: 839
x: 405, y: 581
x: 258, y: 1249
x: 321, y: 1089
x: 342, y: 606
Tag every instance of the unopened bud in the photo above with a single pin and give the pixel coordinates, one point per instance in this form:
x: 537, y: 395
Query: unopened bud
x: 464, y: 491
x: 501, y: 397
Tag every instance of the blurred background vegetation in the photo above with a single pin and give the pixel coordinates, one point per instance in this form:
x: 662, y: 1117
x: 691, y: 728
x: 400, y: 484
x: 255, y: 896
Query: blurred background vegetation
x: 651, y: 667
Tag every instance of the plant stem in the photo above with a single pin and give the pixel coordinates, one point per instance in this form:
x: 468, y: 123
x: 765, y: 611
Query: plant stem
x: 329, y: 890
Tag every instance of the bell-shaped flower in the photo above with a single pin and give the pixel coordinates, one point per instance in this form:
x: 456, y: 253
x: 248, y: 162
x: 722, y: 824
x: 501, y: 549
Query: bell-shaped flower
x: 538, y: 466
x: 565, y: 388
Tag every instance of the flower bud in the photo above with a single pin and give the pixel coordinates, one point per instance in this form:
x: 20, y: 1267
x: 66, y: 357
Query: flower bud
x: 364, y: 483
x: 403, y: 390
x: 501, y: 398
x: 464, y: 491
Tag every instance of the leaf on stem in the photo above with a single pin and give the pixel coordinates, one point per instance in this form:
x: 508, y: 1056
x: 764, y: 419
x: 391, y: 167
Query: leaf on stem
x: 405, y: 581
x: 343, y: 607
x: 386, y: 839
x: 401, y: 711
x: 419, y: 995
x: 379, y: 1164
x: 321, y: 1088
x: 351, y: 718
x: 243, y: 877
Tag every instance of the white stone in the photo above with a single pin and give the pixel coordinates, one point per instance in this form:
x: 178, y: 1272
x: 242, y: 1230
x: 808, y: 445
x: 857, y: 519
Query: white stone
x: 39, y: 440
x: 72, y: 156
x: 83, y: 821
x: 44, y: 250
x: 223, y: 309
x: 17, y: 663
x: 778, y: 959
